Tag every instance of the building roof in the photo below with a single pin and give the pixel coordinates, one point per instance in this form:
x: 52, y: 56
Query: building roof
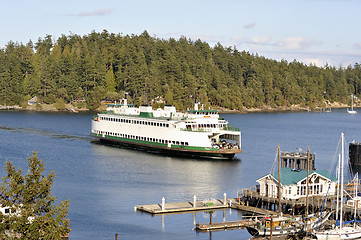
x: 34, y: 99
x: 291, y: 176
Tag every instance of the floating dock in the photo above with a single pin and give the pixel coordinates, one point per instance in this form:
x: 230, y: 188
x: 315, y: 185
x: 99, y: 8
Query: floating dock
x: 226, y: 225
x: 182, y: 207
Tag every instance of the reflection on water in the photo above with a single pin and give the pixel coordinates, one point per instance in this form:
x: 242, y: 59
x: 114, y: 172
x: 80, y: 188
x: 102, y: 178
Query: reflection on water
x: 186, y: 177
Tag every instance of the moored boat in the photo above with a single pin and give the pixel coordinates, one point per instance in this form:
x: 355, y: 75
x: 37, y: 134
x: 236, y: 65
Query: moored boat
x: 197, y: 133
x: 275, y: 227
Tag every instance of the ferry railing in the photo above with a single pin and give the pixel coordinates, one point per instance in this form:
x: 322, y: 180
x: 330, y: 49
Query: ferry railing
x: 196, y: 129
x: 231, y: 128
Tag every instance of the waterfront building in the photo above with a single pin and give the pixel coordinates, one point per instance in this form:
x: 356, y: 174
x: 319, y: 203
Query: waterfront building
x: 293, y: 183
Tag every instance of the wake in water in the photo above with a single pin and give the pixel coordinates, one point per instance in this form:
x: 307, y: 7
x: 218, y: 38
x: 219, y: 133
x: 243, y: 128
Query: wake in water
x: 47, y: 133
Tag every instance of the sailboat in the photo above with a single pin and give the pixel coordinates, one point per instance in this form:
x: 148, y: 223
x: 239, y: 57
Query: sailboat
x: 351, y: 111
x: 341, y: 232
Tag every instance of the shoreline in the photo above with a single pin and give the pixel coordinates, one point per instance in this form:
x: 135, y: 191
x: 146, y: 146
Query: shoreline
x: 263, y: 109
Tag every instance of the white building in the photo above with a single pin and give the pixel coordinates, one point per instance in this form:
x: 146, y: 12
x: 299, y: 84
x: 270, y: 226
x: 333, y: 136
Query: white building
x: 293, y: 183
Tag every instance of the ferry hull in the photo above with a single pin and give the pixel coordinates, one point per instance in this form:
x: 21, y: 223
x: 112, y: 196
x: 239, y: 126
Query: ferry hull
x: 174, y: 150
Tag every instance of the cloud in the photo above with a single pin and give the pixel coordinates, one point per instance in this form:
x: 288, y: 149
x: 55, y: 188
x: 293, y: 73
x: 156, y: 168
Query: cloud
x: 261, y: 40
x: 358, y: 45
x: 313, y: 61
x: 250, y: 25
x: 97, y: 12
x: 294, y: 43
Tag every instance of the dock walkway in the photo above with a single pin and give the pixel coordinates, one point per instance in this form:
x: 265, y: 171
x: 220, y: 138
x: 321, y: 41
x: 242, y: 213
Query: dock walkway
x: 183, y: 207
x: 225, y: 225
x: 179, y: 207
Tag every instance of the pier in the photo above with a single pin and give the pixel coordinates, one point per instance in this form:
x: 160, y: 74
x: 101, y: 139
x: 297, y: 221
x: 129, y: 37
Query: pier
x: 251, y: 197
x: 182, y: 207
x: 201, y: 205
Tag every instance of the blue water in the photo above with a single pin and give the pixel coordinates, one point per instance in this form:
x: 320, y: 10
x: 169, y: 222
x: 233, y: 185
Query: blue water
x: 104, y: 183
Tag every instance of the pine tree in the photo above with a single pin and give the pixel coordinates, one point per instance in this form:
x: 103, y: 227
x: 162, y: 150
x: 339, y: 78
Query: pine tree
x: 33, y: 213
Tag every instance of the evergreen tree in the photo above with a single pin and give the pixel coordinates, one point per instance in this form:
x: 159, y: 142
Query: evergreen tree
x: 33, y: 213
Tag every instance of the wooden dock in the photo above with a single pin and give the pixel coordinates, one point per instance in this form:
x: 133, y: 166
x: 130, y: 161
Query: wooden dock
x: 182, y: 207
x: 225, y: 225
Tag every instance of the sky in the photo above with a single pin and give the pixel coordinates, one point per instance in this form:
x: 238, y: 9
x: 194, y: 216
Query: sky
x: 316, y: 32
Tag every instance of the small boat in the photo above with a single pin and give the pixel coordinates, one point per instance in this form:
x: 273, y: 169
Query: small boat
x: 351, y: 111
x: 276, y: 226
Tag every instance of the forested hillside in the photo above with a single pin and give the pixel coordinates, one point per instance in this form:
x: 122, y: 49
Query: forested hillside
x: 104, y: 65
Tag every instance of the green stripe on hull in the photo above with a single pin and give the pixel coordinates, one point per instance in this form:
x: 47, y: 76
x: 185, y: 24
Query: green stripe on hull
x: 174, y: 149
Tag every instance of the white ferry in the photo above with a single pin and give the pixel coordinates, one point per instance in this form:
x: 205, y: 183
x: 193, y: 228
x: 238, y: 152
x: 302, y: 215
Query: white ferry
x: 196, y: 133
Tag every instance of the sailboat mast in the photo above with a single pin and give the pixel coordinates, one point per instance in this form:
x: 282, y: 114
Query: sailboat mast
x: 355, y: 201
x: 342, y: 161
x: 338, y: 185
x: 308, y: 173
x: 279, y: 181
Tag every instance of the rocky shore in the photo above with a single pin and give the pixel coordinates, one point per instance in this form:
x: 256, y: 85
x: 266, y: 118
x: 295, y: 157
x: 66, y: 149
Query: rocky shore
x: 293, y: 108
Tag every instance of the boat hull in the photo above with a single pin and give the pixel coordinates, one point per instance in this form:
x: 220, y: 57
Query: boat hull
x: 276, y: 232
x: 174, y: 150
x: 346, y: 233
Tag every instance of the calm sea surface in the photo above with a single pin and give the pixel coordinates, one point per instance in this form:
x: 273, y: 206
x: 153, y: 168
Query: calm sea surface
x: 104, y: 183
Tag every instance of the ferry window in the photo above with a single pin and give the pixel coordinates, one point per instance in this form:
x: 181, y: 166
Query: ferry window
x: 187, y: 144
x: 7, y: 210
x: 167, y: 125
x: 177, y: 143
x: 173, y: 142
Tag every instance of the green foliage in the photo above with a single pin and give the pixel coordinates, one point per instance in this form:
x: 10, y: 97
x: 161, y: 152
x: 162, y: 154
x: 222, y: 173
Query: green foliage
x: 99, y: 66
x: 59, y: 104
x: 36, y: 216
x: 95, y: 97
x: 38, y: 107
